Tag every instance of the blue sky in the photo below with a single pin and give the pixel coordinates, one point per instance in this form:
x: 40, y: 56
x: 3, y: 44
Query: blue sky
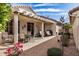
x: 52, y: 10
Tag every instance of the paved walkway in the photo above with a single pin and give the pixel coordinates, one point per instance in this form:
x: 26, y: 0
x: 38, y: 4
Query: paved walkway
x: 71, y: 49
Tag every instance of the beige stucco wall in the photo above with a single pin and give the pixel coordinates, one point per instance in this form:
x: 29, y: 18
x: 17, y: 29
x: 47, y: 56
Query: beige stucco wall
x: 58, y: 29
x: 48, y: 26
x: 23, y: 22
x: 76, y: 29
x: 54, y: 29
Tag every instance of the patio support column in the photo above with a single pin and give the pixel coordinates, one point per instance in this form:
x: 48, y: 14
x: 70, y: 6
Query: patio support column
x: 54, y: 29
x: 15, y: 27
x: 42, y: 29
x: 26, y: 28
x: 35, y: 29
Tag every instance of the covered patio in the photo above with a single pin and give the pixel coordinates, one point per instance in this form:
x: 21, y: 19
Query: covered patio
x: 30, y: 25
x: 33, y: 24
x: 27, y: 23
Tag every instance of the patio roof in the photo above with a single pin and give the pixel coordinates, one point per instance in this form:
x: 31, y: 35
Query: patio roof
x: 30, y: 14
x: 74, y: 9
x: 72, y: 15
x: 57, y: 22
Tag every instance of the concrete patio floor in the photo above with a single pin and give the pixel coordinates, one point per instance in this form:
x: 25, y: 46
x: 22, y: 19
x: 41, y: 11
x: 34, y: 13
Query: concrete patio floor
x: 33, y: 42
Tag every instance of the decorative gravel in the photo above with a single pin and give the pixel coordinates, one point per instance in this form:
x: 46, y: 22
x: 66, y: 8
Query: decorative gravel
x: 71, y: 49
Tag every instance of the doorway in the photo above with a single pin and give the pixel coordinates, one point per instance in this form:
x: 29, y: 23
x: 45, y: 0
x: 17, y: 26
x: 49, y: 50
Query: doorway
x: 30, y: 28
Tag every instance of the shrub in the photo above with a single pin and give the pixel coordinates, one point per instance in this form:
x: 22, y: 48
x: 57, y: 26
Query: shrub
x: 54, y: 52
x: 66, y: 39
x: 27, y: 36
x: 67, y: 35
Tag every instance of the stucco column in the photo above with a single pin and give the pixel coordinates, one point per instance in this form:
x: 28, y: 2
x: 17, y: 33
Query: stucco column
x: 42, y: 29
x: 35, y: 29
x: 15, y: 27
x: 54, y: 29
x: 26, y: 28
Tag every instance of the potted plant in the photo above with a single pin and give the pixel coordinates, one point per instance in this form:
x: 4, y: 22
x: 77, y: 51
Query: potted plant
x: 27, y: 37
x: 16, y: 50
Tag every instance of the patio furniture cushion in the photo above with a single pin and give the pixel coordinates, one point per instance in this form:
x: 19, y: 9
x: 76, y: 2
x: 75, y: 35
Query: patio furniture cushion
x: 7, y: 38
x: 37, y: 35
x: 5, y: 35
x: 48, y: 33
x: 22, y: 36
x: 29, y: 33
x: 40, y: 32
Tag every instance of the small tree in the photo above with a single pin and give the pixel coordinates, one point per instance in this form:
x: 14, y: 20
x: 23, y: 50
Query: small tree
x: 67, y: 27
x: 66, y: 34
x: 5, y: 14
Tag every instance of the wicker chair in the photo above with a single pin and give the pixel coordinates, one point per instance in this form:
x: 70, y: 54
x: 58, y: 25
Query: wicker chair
x: 7, y: 38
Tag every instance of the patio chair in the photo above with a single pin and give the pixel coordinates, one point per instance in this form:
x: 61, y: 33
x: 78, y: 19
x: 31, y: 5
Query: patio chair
x: 7, y: 38
x: 4, y: 37
x: 51, y: 32
x: 39, y: 34
x: 48, y: 33
x: 10, y: 38
x: 21, y: 37
x: 29, y: 35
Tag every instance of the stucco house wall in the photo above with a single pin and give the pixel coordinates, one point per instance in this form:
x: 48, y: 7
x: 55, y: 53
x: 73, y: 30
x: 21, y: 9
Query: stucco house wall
x: 74, y: 19
x: 76, y: 29
x: 58, y: 29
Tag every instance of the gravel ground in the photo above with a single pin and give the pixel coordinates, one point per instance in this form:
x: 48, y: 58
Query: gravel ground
x: 71, y: 49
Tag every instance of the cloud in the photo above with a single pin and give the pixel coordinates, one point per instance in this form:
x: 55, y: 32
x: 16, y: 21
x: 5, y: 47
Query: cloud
x: 45, y: 4
x: 49, y: 10
x: 54, y: 14
x: 62, y: 13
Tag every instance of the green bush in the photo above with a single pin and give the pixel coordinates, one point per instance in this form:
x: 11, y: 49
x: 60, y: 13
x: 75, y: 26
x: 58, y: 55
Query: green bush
x: 27, y: 36
x: 66, y: 39
x: 67, y: 35
x: 54, y: 52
